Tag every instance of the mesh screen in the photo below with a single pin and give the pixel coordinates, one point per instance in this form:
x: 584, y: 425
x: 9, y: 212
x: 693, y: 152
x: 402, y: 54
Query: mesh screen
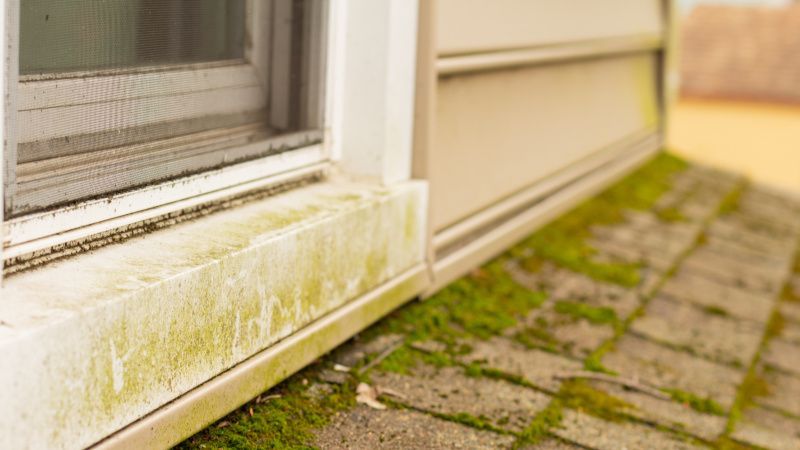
x: 84, y: 35
x: 117, y: 94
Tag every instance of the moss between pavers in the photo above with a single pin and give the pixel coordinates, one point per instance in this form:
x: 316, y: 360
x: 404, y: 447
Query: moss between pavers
x: 700, y: 404
x: 594, y: 314
x: 731, y: 201
x: 286, y: 422
x: 481, y: 305
x: 564, y: 241
x: 754, y: 385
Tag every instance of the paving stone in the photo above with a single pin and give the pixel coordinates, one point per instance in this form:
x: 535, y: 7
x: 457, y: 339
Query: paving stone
x: 758, y: 225
x: 365, y: 428
x: 791, y: 332
x: 775, y: 271
x: 734, y: 250
x: 536, y: 366
x: 742, y: 250
x: 666, y: 412
x: 448, y: 390
x: 790, y: 311
x: 782, y: 355
x: 732, y: 273
x: 708, y: 293
x: 748, y: 238
x: 601, y: 435
x: 775, y: 422
x: 756, y: 434
x: 552, y: 444
x: 355, y: 350
x: 544, y: 328
x: 784, y: 392
x: 764, y: 194
x: 669, y: 245
x: 566, y: 285
x: 612, y: 251
x: 663, y: 367
x: 722, y: 339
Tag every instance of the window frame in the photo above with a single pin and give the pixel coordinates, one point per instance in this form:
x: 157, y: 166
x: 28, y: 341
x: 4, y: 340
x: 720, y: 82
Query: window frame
x: 41, y: 230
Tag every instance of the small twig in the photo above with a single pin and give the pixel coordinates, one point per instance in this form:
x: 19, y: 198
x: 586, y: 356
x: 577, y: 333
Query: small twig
x: 616, y: 380
x: 384, y: 354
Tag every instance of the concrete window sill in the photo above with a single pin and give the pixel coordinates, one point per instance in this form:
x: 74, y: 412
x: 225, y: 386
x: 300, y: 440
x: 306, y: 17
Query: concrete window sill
x: 94, y: 343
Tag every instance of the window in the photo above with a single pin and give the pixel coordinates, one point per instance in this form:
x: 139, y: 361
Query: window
x: 119, y: 96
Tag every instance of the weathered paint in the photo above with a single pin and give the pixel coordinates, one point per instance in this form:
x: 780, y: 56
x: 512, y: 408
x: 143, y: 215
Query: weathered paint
x: 118, y: 332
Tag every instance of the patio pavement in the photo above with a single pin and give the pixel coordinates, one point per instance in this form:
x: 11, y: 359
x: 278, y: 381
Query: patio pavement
x: 662, y: 314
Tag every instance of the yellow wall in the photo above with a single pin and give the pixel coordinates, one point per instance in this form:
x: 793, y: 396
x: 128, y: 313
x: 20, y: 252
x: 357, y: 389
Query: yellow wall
x: 759, y: 140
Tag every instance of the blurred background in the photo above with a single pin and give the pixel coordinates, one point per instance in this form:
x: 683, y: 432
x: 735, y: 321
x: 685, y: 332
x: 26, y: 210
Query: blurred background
x: 738, y: 105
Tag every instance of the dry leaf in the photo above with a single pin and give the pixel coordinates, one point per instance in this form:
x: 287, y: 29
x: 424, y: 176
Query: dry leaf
x: 223, y: 424
x: 368, y: 395
x: 251, y: 411
x: 341, y: 368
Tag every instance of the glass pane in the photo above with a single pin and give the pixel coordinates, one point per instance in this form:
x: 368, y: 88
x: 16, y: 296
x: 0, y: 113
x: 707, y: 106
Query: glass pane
x: 85, y: 35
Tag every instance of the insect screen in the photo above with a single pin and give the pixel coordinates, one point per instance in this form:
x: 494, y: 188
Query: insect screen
x: 117, y: 94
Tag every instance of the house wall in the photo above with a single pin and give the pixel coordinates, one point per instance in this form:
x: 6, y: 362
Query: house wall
x: 519, y: 98
x: 757, y: 139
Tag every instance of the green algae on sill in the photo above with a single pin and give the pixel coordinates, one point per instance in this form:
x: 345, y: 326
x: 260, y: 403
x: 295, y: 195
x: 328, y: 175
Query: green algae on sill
x: 564, y: 241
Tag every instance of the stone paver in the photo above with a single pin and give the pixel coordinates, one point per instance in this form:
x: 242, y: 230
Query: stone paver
x: 784, y: 392
x: 355, y: 350
x: 448, y: 390
x: 790, y: 311
x: 718, y: 338
x: 552, y: 444
x: 768, y: 429
x: 791, y: 332
x: 368, y: 429
x: 666, y: 368
x: 602, y: 435
x: 536, y: 366
x: 710, y: 294
x: 565, y: 285
x: 666, y: 412
x: 765, y: 437
x: 566, y: 335
x: 783, y: 355
x: 734, y: 272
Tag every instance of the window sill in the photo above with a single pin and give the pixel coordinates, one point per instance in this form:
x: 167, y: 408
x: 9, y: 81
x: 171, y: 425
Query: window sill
x: 116, y: 333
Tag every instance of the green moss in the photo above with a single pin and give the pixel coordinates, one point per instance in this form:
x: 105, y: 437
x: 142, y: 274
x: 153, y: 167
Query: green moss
x: 402, y: 361
x: 579, y: 395
x: 671, y: 214
x: 564, y: 241
x: 594, y: 362
x: 595, y: 315
x: 789, y: 294
x: 731, y: 201
x: 539, y: 428
x: 697, y: 403
x: 538, y: 337
x: 278, y: 423
x: 775, y: 325
x: 481, y: 305
x: 726, y: 443
x: 715, y: 310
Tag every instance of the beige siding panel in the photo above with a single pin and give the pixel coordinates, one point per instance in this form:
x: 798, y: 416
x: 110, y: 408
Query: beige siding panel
x: 498, y: 132
x: 469, y: 26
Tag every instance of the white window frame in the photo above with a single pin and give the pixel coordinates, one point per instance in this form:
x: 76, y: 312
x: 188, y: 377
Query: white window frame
x: 221, y: 88
x: 367, y: 127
